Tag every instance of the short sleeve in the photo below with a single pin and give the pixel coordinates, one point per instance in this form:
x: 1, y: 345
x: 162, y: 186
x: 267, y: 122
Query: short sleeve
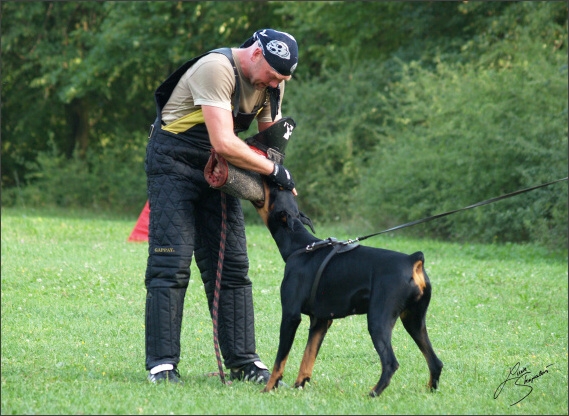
x: 212, y: 81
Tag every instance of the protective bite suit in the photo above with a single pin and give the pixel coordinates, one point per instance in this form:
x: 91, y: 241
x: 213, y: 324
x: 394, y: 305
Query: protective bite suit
x: 185, y: 220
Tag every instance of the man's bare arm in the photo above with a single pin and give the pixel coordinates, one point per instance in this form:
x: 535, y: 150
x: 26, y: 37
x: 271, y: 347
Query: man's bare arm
x: 220, y: 128
x: 219, y: 124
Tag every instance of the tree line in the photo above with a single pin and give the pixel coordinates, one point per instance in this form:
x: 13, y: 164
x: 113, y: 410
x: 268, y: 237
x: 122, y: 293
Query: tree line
x: 403, y: 109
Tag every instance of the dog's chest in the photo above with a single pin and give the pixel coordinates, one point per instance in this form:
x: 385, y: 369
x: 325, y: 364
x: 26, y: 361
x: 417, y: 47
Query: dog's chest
x: 334, y: 304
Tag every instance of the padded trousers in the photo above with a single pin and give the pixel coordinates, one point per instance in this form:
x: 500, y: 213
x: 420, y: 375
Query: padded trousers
x: 185, y: 221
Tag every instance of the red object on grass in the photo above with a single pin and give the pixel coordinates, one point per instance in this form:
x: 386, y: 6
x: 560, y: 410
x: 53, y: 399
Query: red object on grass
x: 140, y: 230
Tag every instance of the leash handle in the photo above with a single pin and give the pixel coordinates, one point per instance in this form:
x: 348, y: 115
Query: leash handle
x: 478, y: 204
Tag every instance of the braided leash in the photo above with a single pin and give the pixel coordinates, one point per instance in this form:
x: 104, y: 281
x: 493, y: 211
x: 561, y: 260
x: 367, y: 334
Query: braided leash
x: 215, y: 308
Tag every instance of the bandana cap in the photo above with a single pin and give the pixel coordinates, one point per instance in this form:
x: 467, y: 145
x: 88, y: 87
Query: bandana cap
x: 279, y: 49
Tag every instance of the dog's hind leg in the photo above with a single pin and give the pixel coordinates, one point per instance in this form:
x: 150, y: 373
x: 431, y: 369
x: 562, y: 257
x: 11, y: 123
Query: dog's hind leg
x: 381, y: 321
x: 289, y: 325
x: 413, y: 319
x: 316, y: 334
x: 383, y: 312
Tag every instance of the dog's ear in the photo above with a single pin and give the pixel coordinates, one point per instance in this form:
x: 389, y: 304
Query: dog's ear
x: 307, y: 221
x: 283, y: 217
x: 288, y: 219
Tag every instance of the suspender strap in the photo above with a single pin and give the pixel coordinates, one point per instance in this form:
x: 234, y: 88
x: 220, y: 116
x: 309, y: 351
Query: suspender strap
x: 236, y: 94
x: 274, y: 99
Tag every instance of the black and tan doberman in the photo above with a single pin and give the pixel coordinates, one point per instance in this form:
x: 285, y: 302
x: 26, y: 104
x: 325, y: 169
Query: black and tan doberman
x: 327, y: 280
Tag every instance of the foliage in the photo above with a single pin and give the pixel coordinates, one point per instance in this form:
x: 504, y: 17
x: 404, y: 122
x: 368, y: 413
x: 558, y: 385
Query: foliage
x: 73, y: 329
x: 491, y: 147
x: 79, y: 73
x: 101, y: 181
x: 411, y: 139
x: 332, y: 32
x: 465, y: 133
x: 333, y: 137
x: 41, y: 46
x: 387, y: 94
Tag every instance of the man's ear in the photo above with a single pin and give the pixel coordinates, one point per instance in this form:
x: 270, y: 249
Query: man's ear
x: 307, y: 221
x: 256, y: 54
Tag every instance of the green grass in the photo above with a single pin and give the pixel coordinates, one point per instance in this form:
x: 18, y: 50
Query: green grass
x: 73, y: 329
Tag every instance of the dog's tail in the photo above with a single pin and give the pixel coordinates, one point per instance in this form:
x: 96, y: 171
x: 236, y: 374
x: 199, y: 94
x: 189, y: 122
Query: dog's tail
x: 418, y: 260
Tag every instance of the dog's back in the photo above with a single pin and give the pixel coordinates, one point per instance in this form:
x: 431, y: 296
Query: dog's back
x: 350, y: 278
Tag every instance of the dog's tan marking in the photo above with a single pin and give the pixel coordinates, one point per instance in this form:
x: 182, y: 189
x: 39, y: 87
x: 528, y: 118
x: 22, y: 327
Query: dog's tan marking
x: 276, y: 375
x: 418, y: 276
x: 315, y: 339
x: 264, y: 210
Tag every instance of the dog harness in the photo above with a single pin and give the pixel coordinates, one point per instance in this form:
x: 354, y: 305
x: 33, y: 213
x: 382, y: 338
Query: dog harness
x: 338, y: 247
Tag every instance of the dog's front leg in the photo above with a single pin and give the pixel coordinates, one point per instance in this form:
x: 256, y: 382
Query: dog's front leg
x: 289, y: 325
x: 316, y: 334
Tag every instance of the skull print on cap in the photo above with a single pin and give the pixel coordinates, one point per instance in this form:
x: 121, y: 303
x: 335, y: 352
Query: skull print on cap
x: 279, y: 49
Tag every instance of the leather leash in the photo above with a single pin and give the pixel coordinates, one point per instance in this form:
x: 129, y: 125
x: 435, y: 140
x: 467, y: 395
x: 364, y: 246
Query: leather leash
x: 478, y: 204
x: 216, y: 292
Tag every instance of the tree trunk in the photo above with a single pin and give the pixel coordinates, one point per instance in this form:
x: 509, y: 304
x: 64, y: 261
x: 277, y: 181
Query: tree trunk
x: 78, y: 119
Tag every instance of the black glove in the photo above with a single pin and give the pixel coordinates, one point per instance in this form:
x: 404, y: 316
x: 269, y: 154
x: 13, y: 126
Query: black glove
x: 282, y: 177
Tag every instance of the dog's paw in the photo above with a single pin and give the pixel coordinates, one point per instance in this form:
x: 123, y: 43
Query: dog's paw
x: 269, y: 388
x: 300, y: 385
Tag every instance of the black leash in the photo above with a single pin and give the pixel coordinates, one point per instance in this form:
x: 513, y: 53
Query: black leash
x: 478, y: 204
x: 217, y: 289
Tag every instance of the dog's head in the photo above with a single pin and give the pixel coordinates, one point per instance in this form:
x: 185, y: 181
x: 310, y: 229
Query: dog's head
x: 280, y: 209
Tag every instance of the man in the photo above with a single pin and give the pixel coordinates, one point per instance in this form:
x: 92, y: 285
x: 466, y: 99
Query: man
x: 203, y: 105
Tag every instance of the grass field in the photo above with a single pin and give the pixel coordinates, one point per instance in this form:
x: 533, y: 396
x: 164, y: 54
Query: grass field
x: 73, y: 330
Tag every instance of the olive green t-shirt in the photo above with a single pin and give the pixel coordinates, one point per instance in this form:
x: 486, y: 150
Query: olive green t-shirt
x: 211, y: 81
